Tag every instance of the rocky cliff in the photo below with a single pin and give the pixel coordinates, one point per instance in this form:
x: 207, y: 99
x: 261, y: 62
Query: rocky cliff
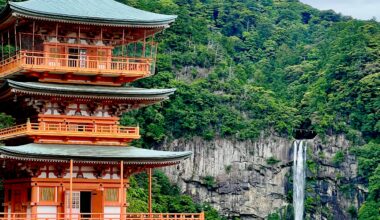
x: 253, y: 179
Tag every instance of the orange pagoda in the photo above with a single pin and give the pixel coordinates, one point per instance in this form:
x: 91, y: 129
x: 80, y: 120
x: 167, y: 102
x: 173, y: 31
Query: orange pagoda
x: 64, y: 68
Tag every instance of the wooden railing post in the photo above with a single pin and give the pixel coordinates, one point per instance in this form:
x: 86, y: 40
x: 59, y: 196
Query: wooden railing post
x: 28, y: 125
x: 43, y: 126
x: 202, y: 216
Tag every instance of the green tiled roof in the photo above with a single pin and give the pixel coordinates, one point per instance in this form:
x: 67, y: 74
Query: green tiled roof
x: 130, y: 155
x: 89, y: 90
x: 91, y: 11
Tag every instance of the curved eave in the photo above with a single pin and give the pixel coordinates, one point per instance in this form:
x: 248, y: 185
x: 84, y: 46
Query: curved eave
x: 20, y: 11
x: 98, y: 92
x: 6, y: 17
x: 92, y: 154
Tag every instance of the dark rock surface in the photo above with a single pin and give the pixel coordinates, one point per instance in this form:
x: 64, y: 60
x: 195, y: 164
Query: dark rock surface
x: 248, y: 187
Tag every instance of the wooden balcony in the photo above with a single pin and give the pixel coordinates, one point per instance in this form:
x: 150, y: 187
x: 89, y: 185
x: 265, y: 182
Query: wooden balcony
x: 61, y: 68
x: 102, y: 216
x: 63, y: 133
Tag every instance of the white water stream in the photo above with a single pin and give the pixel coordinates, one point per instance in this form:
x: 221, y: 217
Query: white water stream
x: 299, y: 176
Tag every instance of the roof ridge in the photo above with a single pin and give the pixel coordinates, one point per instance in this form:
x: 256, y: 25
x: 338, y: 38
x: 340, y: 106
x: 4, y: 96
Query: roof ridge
x: 104, y: 11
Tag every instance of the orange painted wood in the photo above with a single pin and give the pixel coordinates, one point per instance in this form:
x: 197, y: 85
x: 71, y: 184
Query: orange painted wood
x: 97, y: 203
x: 71, y: 188
x: 34, y: 199
x: 127, y: 216
x: 84, y: 70
x: 80, y: 133
x: 78, y: 119
x: 40, y: 181
x: 56, y: 60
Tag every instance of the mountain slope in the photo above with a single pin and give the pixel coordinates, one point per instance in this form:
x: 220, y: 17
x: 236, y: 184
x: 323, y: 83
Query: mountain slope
x: 247, y: 67
x: 242, y: 67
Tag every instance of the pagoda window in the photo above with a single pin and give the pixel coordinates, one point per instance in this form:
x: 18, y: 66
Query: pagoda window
x: 54, y: 51
x: 102, y: 58
x: 53, y: 55
x: 82, y: 58
x: 73, y: 57
x: 75, y: 201
x: 47, y: 194
x: 112, y: 195
x: 76, y: 55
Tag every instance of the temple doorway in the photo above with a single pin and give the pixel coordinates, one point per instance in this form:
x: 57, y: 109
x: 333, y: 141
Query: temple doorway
x: 85, y: 204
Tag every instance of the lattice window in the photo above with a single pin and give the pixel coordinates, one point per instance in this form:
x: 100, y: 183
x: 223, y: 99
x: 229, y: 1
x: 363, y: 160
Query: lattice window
x: 76, y: 200
x: 112, y: 195
x: 47, y: 194
x: 102, y: 55
x: 54, y: 52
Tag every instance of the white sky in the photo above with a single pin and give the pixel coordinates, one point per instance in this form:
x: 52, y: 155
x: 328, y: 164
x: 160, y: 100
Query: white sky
x: 361, y: 9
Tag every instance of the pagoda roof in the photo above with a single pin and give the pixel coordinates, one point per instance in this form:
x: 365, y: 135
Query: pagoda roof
x: 83, y: 91
x: 91, y: 154
x: 99, y: 12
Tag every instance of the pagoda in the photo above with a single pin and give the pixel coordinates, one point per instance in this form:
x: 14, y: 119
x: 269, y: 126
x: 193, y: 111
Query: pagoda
x: 64, y: 71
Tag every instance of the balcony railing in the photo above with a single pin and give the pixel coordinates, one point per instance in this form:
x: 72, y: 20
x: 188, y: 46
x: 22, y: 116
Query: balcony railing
x: 81, y: 64
x: 102, y: 216
x: 70, y: 130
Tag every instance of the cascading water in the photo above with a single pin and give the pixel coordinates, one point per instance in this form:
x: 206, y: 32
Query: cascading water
x: 299, y: 176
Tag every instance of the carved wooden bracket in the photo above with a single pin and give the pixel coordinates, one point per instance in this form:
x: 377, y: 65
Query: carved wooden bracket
x: 100, y: 171
x: 129, y: 170
x: 60, y: 170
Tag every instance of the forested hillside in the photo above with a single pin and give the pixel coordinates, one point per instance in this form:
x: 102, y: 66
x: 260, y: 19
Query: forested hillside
x: 246, y: 67
x: 243, y: 68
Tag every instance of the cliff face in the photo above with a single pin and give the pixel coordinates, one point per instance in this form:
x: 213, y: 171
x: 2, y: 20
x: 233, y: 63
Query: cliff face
x: 253, y: 179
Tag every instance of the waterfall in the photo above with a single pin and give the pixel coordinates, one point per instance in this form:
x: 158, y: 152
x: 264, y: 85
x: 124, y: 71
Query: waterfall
x: 299, y: 176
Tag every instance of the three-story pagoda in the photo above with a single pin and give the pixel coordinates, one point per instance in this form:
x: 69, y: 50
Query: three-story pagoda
x: 64, y: 66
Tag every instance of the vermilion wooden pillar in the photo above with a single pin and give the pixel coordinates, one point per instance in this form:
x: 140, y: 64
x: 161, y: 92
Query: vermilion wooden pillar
x: 71, y: 189
x: 121, y: 191
x: 34, y: 200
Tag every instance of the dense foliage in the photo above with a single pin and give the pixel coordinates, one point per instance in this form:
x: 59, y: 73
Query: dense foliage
x: 369, y: 168
x: 166, y: 197
x: 244, y: 67
x: 6, y: 121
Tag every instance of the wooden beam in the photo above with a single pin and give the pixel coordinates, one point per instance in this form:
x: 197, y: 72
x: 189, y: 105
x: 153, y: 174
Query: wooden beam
x: 34, y: 30
x: 56, y: 35
x: 34, y: 189
x: 122, y: 44
x: 15, y: 29
x: 9, y: 44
